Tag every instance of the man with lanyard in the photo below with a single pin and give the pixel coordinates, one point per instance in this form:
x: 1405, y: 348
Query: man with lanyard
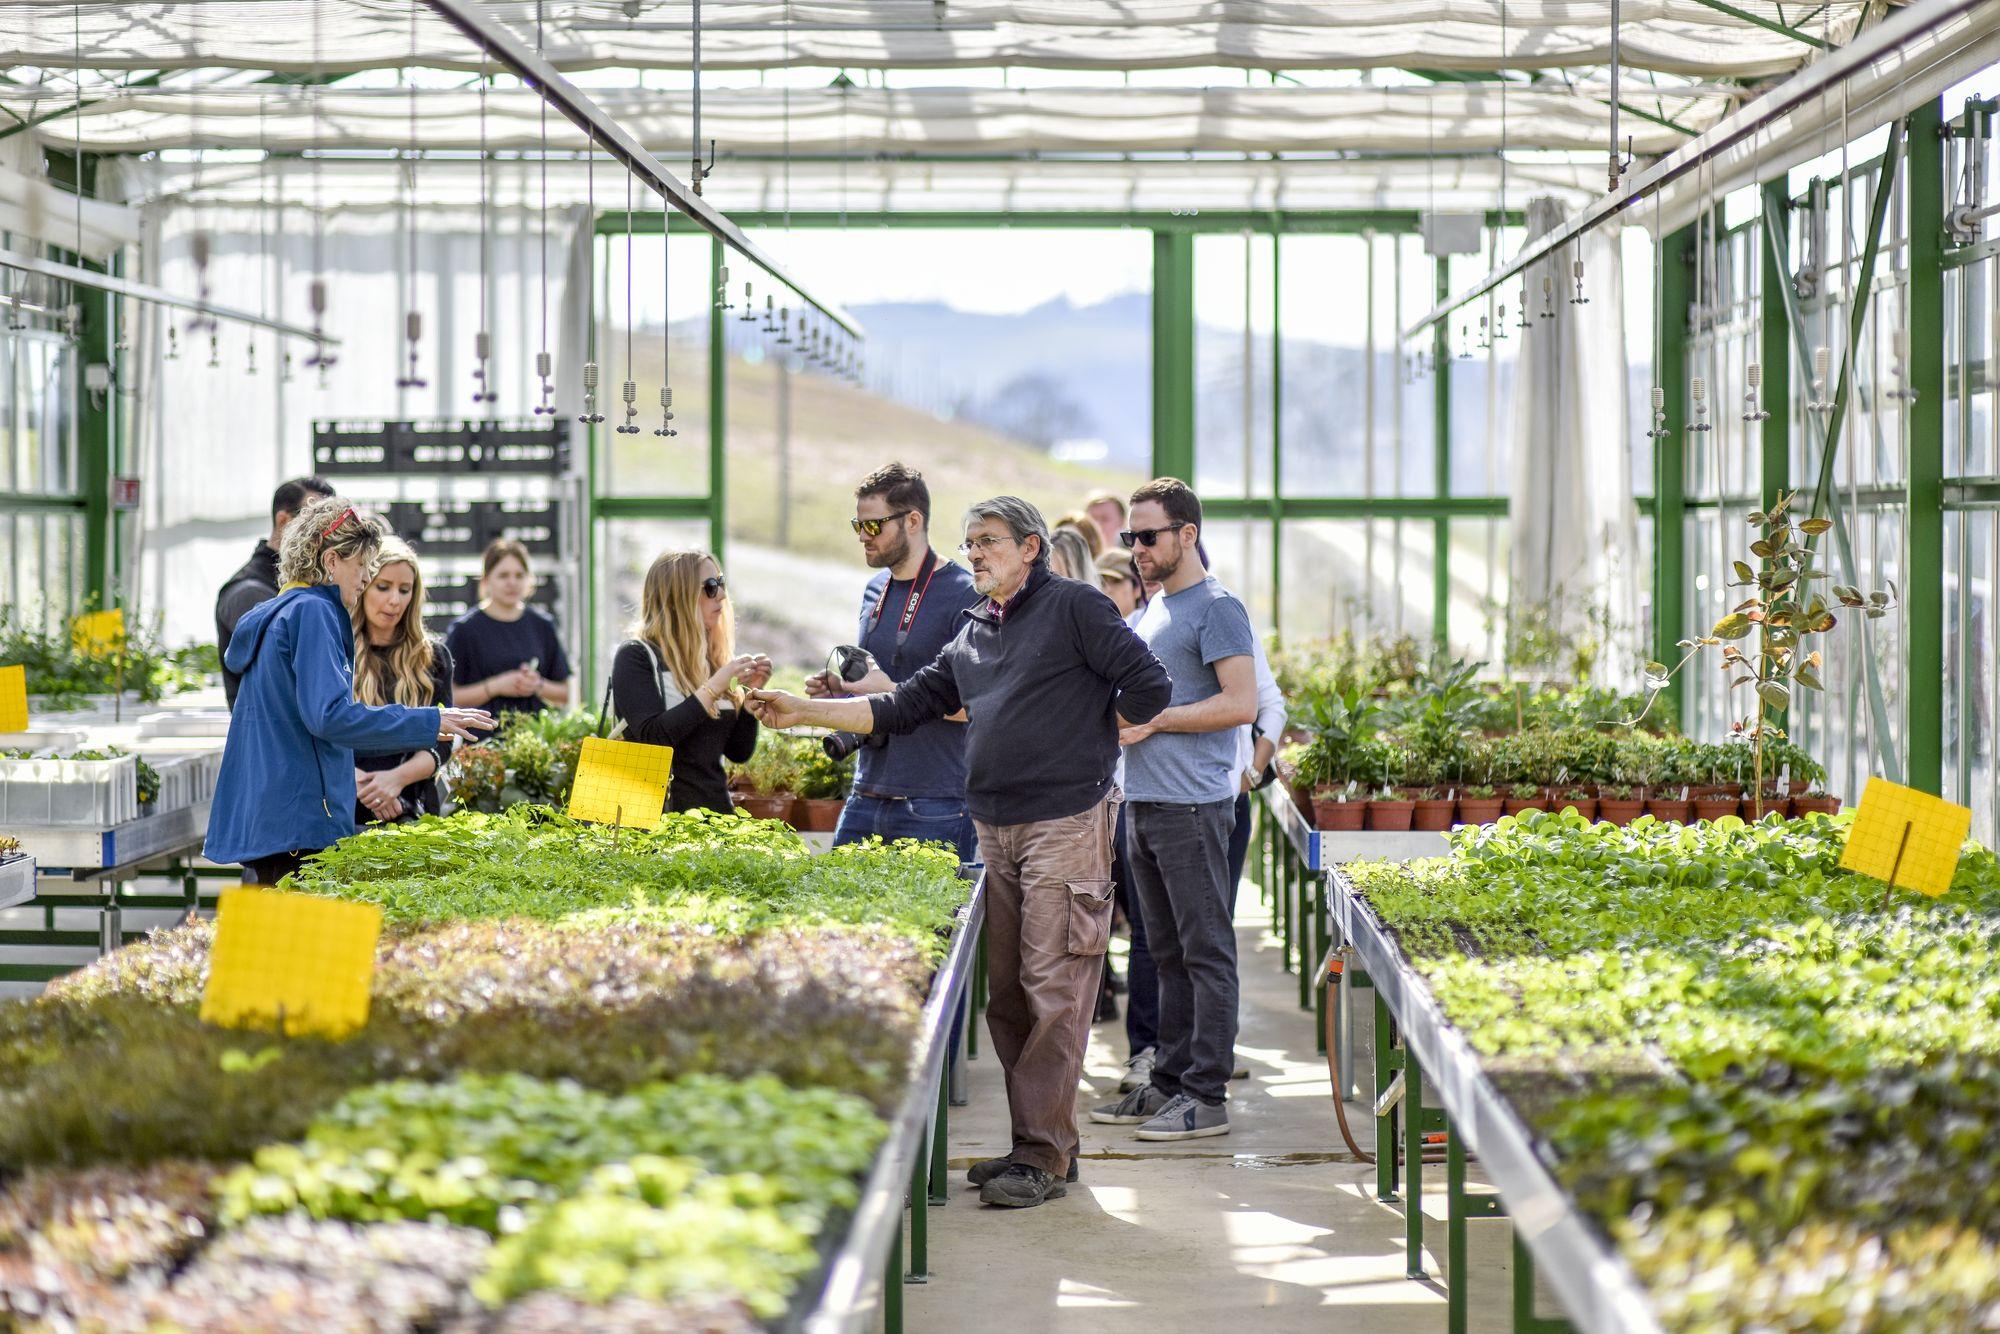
x: 910, y: 786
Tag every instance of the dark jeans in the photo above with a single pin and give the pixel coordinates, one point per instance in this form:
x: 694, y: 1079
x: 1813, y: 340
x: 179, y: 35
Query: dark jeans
x: 1180, y: 865
x: 1239, y: 847
x: 270, y: 870
x: 1142, y: 980
x: 935, y: 819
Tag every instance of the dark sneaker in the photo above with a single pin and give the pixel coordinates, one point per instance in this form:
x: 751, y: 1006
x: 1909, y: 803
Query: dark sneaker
x: 1139, y: 1070
x: 1186, y: 1118
x: 1142, y: 1104
x: 985, y: 1170
x: 1107, y: 1007
x: 1022, y: 1186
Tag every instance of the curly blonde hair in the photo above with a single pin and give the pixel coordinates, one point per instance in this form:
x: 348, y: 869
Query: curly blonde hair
x: 408, y: 656
x: 329, y: 525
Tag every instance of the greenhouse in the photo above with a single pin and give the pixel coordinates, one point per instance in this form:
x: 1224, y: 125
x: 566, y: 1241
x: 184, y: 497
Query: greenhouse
x: 966, y: 665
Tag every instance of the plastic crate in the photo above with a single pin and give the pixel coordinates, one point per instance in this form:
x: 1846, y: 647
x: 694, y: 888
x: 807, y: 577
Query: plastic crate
x: 535, y: 524
x: 435, y: 448
x: 439, y: 527
x: 446, y: 602
x: 17, y: 879
x: 97, y: 793
x: 184, y: 780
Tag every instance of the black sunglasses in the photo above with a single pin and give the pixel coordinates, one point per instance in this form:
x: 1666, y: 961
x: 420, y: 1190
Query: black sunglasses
x: 874, y: 527
x: 715, y: 586
x: 1145, y: 537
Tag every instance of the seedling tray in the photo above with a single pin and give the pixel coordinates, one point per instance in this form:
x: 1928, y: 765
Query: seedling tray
x: 440, y: 448
x: 17, y: 879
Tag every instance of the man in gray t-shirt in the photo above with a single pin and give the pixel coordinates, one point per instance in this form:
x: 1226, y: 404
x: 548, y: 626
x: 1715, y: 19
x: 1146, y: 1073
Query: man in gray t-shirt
x: 1181, y: 779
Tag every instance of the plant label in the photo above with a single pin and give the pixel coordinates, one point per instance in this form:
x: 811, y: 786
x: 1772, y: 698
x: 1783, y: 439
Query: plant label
x: 296, y: 963
x: 14, y: 698
x: 1906, y: 838
x: 621, y: 783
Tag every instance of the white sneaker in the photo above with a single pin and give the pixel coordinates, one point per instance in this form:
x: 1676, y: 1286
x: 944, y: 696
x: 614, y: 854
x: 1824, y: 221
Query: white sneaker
x: 1139, y: 1070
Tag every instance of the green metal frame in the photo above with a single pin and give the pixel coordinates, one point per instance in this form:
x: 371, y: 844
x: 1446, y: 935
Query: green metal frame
x: 1923, y: 623
x: 1670, y: 461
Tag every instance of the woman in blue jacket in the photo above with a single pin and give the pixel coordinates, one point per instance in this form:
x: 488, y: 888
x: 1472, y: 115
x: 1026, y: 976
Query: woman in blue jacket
x: 287, y: 784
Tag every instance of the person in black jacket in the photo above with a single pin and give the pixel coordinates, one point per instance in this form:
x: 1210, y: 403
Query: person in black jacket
x: 257, y: 581
x: 1047, y: 672
x: 676, y: 683
x: 396, y: 662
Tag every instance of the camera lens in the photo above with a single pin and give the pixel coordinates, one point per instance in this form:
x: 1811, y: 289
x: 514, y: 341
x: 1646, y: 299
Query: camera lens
x: 839, y: 745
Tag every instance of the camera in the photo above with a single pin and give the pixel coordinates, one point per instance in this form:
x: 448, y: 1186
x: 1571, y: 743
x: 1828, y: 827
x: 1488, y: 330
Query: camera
x: 850, y: 663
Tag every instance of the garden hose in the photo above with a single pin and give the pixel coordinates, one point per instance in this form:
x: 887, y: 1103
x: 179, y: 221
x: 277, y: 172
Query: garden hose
x: 1329, y: 974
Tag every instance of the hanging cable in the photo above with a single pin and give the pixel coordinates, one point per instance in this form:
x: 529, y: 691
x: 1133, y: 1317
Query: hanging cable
x: 666, y: 428
x: 630, y: 393
x: 413, y: 320
x: 321, y: 359
x: 483, y: 390
x: 544, y: 364
x: 1659, y: 394
x: 590, y: 415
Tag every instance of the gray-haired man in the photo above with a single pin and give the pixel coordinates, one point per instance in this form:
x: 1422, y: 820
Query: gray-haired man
x: 1047, y: 672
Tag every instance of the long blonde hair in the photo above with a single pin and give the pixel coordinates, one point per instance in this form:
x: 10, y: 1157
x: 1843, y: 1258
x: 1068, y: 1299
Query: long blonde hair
x: 1070, y: 556
x: 410, y: 654
x: 670, y: 620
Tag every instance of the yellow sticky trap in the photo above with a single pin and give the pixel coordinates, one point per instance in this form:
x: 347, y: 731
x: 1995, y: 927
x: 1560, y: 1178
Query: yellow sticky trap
x: 13, y: 699
x: 98, y: 633
x: 621, y: 782
x: 296, y: 963
x: 1906, y: 837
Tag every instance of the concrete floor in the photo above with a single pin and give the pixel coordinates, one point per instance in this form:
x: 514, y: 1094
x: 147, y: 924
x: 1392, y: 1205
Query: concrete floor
x: 1272, y: 1227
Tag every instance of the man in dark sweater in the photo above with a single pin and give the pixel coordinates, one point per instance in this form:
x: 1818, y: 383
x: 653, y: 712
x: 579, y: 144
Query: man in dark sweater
x: 257, y: 581
x: 1047, y: 672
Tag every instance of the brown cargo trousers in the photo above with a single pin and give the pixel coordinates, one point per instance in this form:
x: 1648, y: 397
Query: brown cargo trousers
x: 1048, y: 923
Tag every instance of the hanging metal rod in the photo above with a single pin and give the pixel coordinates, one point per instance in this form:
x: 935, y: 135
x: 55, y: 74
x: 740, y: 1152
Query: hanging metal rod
x: 158, y: 296
x: 1886, y: 38
x: 470, y: 18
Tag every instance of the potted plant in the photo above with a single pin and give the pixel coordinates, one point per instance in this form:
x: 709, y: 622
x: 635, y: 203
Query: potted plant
x: 1389, y: 810
x: 1525, y: 797
x: 1578, y: 799
x: 771, y: 774
x: 1435, y: 810
x: 1480, y: 804
x: 823, y: 784
x: 477, y: 779
x: 1619, y: 803
x: 1815, y: 802
x: 1339, y: 808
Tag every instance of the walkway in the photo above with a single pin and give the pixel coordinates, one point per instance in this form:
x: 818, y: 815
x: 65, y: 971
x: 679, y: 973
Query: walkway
x: 1274, y: 1227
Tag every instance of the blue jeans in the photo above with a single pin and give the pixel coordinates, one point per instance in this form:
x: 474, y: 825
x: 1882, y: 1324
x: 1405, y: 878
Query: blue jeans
x: 934, y: 819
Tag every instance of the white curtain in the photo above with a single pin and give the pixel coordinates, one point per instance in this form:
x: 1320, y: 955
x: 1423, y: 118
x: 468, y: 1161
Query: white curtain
x: 210, y: 442
x: 1574, y: 558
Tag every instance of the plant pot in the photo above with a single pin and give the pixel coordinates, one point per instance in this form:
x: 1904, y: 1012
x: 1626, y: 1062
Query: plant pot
x: 1677, y: 809
x: 765, y: 808
x: 1340, y: 815
x: 817, y: 815
x: 1584, y: 806
x: 1519, y: 805
x: 1714, y: 808
x: 1302, y: 798
x: 1392, y: 813
x: 1434, y: 816
x: 1620, y: 811
x: 1480, y: 810
x: 1815, y: 806
x: 1775, y: 803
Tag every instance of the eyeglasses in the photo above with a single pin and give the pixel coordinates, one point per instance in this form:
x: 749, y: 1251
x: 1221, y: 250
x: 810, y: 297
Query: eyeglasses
x: 1145, y: 537
x: 334, y: 527
x: 715, y: 586
x: 983, y: 544
x: 874, y: 527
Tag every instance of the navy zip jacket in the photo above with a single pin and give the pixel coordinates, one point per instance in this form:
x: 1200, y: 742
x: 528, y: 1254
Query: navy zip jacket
x: 1043, y: 682
x: 287, y: 781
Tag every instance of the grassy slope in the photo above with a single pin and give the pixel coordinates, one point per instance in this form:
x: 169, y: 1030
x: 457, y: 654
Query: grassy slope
x: 840, y: 433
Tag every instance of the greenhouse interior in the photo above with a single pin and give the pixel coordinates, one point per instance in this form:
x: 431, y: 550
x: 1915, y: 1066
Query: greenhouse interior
x: 1486, y: 823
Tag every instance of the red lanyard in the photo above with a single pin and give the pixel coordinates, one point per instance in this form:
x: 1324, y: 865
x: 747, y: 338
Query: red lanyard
x: 911, y: 601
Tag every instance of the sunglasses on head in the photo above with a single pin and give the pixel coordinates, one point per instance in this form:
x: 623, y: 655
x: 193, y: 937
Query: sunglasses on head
x: 1145, y: 537
x: 874, y: 527
x: 714, y: 586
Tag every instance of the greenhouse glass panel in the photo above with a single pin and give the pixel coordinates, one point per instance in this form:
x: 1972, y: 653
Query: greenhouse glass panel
x: 1239, y: 553
x: 1358, y: 577
x: 1972, y: 572
x: 1476, y: 574
x: 661, y: 323
x: 1970, y: 423
x: 1839, y: 727
x: 1232, y: 362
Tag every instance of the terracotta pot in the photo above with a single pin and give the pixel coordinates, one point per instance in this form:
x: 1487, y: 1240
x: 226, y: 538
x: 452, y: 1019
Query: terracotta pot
x: 1620, y: 811
x: 1815, y: 806
x: 1340, y: 815
x: 1774, y: 803
x: 766, y: 808
x: 1434, y: 816
x: 1714, y: 808
x: 1518, y: 805
x: 1670, y: 808
x: 817, y: 815
x: 1584, y: 806
x: 1480, y: 810
x: 1394, y: 813
x: 739, y: 782
x: 1302, y: 798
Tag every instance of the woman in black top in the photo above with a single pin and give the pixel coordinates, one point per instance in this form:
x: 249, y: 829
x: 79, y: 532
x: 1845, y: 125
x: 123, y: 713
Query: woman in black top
x: 675, y: 685
x: 395, y: 662
x: 507, y: 656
